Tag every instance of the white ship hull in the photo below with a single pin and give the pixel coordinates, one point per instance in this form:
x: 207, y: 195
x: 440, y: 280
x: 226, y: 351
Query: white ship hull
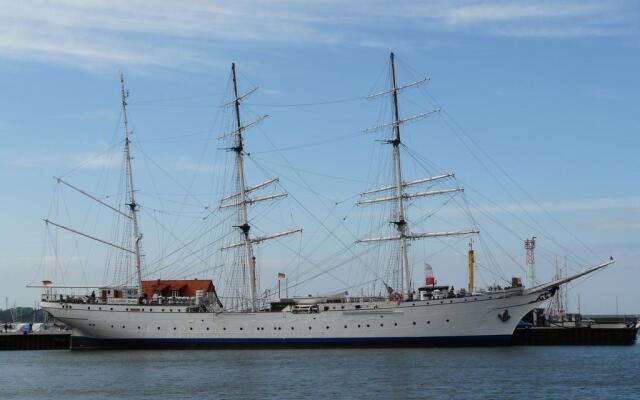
x: 475, y: 320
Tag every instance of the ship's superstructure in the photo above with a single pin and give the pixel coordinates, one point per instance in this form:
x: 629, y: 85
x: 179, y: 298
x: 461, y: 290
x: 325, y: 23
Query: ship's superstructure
x: 177, y: 313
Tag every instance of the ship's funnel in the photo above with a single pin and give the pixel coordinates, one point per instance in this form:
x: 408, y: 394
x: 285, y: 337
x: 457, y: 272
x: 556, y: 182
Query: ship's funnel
x: 428, y: 275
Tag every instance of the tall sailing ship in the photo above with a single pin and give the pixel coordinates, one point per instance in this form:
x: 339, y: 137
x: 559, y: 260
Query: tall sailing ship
x: 190, y: 313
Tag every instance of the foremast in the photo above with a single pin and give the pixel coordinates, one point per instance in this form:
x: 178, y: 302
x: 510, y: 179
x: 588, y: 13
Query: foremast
x: 133, y: 206
x: 399, y: 185
x: 241, y: 200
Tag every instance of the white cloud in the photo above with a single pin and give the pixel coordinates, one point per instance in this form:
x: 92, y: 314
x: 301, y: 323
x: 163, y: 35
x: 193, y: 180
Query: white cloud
x: 90, y: 34
x: 518, y: 11
x: 96, y: 114
x: 612, y: 224
x: 628, y: 202
x: 190, y: 166
x: 193, y: 34
x: 41, y: 159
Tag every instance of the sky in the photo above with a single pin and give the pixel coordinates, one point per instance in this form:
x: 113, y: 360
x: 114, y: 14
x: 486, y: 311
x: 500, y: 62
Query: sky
x: 538, y: 119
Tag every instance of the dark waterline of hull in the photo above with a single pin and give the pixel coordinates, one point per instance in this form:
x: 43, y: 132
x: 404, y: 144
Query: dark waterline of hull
x: 78, y: 342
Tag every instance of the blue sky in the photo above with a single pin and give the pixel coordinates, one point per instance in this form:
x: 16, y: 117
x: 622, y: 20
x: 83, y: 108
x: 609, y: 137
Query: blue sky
x: 549, y: 90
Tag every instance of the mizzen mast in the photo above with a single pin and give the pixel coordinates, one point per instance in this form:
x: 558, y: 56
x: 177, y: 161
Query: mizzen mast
x: 131, y: 200
x: 240, y: 198
x: 399, y: 185
x: 133, y: 206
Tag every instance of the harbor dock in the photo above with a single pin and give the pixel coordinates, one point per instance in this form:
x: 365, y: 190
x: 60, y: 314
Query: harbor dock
x: 576, y: 330
x: 47, y: 340
x: 574, y: 336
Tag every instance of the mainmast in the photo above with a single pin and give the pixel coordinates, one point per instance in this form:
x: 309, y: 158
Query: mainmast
x: 400, y: 223
x: 133, y: 207
x: 241, y: 199
x: 403, y: 235
x: 244, y: 219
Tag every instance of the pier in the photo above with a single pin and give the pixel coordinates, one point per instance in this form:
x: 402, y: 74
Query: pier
x: 578, y: 330
x: 572, y: 336
x: 48, y: 340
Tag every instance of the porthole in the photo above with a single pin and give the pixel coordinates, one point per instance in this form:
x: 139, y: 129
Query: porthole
x: 241, y: 328
x: 382, y: 316
x: 309, y: 328
x: 163, y: 310
x: 327, y: 326
x: 88, y: 308
x: 111, y: 308
x: 174, y: 328
x: 292, y: 328
x: 441, y: 302
x: 279, y: 328
x: 138, y: 328
x: 414, y: 322
x: 381, y: 325
x: 158, y: 328
x: 465, y: 299
x: 447, y: 319
x: 428, y: 322
x: 395, y: 324
x: 224, y: 328
x: 275, y: 329
x: 258, y: 328
x: 112, y: 326
x: 171, y: 310
x: 450, y: 301
x: 126, y: 309
x: 358, y: 326
x: 190, y: 328
x: 99, y: 308
x: 345, y: 327
x: 367, y: 325
x: 150, y: 310
x: 207, y: 328
x: 122, y: 326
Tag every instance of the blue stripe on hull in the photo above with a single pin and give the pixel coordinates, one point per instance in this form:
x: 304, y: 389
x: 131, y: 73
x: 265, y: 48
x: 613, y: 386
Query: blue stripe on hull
x: 81, y: 342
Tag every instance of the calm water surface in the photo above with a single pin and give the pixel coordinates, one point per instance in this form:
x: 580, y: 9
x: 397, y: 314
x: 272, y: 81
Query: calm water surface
x: 483, y: 373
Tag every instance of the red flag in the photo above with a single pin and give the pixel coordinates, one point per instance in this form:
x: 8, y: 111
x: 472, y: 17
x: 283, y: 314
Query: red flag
x: 281, y: 276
